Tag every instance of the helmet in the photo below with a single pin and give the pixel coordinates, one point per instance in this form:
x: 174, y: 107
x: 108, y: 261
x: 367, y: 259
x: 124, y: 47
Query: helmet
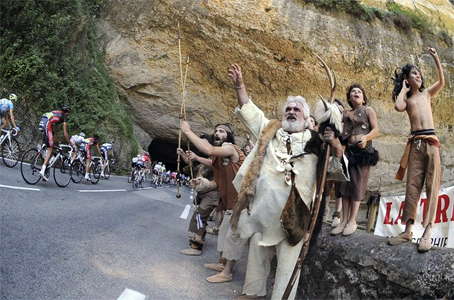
x: 12, y: 97
x: 82, y: 134
x: 65, y: 108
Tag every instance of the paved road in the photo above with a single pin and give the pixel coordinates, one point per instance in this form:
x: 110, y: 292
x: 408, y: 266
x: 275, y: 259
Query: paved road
x: 65, y: 244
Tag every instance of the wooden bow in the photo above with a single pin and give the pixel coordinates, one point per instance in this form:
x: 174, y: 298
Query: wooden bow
x: 318, y: 197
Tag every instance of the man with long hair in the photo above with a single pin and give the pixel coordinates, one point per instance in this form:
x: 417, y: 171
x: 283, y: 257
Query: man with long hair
x: 422, y: 154
x: 225, y: 157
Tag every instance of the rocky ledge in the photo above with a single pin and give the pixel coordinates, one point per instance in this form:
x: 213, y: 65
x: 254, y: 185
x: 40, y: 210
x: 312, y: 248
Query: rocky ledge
x: 363, y: 266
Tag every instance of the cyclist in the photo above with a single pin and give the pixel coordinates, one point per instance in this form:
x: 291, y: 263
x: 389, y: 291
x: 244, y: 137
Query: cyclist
x: 88, y: 143
x: 147, y: 161
x: 46, y: 125
x: 105, y: 148
x: 6, y: 112
x: 75, y: 141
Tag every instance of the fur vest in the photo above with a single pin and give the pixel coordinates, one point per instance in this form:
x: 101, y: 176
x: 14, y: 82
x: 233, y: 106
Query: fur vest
x: 248, y: 184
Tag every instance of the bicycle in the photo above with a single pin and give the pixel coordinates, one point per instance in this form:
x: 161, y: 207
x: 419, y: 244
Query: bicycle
x: 78, y: 169
x: 107, y: 167
x: 10, y: 148
x: 33, y: 159
x: 137, y: 177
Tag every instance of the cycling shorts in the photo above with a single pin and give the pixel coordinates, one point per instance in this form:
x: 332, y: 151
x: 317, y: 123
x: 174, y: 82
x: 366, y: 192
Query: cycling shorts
x: 105, y: 153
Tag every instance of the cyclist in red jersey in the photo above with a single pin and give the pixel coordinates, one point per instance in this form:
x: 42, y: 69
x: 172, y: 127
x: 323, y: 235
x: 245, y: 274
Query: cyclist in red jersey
x: 89, y: 142
x: 46, y: 125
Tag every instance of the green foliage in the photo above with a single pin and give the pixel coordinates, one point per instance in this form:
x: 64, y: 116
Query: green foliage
x: 49, y: 56
x: 401, y: 17
x: 406, y: 18
x: 352, y: 7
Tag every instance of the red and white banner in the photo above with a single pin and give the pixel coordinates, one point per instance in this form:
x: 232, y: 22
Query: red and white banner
x: 390, y: 215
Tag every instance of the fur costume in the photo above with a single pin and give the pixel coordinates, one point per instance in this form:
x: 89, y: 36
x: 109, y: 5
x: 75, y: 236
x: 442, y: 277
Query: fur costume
x: 294, y: 217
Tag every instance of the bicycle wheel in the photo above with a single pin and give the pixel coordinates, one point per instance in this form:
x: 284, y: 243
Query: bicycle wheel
x: 77, y: 171
x: 107, y: 171
x: 135, y: 179
x: 95, y: 172
x: 10, y: 152
x: 30, y: 166
x: 62, y: 172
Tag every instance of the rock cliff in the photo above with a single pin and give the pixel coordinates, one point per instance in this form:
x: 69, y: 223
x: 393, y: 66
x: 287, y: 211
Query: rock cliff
x: 274, y: 41
x: 363, y: 266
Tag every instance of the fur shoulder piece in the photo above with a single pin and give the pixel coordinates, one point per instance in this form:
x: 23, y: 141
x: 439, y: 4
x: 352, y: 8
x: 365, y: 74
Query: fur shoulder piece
x: 314, y: 145
x: 247, y: 189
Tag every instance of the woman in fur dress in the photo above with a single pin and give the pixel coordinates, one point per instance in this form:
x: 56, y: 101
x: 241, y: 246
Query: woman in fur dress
x: 360, y: 128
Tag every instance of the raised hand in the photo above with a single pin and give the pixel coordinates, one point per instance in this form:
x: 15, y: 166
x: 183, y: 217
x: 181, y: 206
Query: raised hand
x: 185, y: 127
x: 432, y: 51
x: 236, y: 75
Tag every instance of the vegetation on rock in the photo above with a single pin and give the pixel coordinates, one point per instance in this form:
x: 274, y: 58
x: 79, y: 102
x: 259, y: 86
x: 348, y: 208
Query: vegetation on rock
x: 49, y: 56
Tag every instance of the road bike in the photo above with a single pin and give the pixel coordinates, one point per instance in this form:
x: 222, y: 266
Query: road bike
x: 60, y: 162
x: 78, y: 168
x: 137, y: 177
x: 9, y: 147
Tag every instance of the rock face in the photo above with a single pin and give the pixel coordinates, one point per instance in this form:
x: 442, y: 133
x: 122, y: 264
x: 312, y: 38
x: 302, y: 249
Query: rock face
x: 363, y: 266
x: 274, y: 42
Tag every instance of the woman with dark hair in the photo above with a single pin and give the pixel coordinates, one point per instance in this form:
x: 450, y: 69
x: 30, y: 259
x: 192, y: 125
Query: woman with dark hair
x: 360, y: 128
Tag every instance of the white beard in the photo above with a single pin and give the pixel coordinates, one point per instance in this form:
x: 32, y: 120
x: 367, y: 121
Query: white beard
x: 293, y: 126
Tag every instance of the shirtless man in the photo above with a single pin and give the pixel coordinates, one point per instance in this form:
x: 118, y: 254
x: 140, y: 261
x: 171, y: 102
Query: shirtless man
x: 422, y: 154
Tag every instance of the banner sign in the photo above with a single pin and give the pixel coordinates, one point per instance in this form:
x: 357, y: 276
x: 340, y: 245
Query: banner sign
x: 390, y: 216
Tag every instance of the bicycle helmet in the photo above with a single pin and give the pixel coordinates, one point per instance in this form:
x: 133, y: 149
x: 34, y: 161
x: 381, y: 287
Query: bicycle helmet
x: 82, y: 134
x: 12, y: 97
x: 65, y: 108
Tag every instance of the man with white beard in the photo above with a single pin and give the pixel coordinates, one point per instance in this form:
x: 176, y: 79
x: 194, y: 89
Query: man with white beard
x: 276, y: 187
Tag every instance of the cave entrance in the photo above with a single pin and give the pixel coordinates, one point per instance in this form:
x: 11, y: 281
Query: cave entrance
x: 165, y: 151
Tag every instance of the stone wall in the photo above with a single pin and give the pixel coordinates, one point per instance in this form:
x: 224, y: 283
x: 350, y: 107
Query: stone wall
x: 363, y: 266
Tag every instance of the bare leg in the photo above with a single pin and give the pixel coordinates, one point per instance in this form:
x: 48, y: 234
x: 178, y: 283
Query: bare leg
x: 228, y: 268
x: 354, y: 208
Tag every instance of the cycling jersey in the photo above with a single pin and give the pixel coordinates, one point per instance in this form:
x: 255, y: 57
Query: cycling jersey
x: 46, y: 125
x: 88, y: 142
x: 105, y: 148
x: 76, y: 139
x: 5, y: 106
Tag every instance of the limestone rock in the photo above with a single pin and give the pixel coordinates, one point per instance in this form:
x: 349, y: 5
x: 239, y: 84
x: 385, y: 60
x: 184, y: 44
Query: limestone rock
x: 274, y: 42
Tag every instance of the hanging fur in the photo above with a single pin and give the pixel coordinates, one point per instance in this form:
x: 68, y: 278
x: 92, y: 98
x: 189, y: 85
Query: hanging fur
x: 247, y: 189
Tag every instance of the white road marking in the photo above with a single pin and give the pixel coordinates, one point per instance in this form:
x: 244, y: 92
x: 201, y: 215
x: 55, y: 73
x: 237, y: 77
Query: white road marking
x: 184, y: 215
x: 101, y: 191
x: 19, y: 188
x: 147, y: 188
x: 129, y: 294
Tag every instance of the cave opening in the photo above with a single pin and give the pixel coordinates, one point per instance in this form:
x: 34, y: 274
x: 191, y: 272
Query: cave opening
x: 165, y: 151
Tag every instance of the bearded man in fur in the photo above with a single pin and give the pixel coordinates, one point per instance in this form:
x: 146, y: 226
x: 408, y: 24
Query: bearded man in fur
x: 276, y: 187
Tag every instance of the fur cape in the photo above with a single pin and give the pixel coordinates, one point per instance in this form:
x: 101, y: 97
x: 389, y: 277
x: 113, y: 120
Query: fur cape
x: 249, y: 182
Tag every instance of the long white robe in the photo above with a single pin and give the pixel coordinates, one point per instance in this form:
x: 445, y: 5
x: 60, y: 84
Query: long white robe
x: 272, y: 190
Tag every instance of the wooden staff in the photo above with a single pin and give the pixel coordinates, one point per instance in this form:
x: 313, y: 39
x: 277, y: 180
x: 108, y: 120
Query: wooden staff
x: 318, y: 197
x: 182, y: 115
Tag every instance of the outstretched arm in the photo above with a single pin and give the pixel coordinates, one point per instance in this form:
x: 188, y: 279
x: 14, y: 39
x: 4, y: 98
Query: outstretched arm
x: 11, y: 116
x: 203, y: 146
x: 237, y: 77
x: 437, y: 86
x: 65, y: 132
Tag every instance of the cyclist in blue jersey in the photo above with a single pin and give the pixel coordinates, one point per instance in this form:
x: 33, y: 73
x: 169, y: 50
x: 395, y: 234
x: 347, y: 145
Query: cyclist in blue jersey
x: 7, y: 112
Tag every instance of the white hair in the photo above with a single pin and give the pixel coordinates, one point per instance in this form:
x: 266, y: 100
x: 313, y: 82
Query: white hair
x: 299, y: 100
